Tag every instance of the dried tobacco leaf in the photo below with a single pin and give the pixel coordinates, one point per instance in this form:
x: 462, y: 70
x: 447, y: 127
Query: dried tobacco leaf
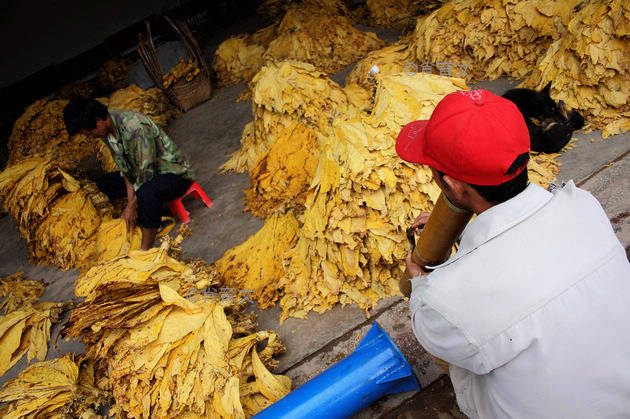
x: 328, y: 41
x: 589, y: 66
x: 19, y: 292
x: 65, y: 222
x: 27, y: 331
x: 183, y: 70
x: 152, y: 103
x: 58, y: 388
x: 490, y: 37
x: 163, y: 353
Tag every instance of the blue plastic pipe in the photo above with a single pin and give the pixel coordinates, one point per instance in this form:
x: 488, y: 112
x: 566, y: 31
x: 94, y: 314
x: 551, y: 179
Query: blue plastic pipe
x: 376, y: 368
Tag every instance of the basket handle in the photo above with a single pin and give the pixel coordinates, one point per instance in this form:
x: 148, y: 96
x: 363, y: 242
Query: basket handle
x: 149, y: 57
x: 185, y: 35
x: 151, y: 48
x: 147, y: 53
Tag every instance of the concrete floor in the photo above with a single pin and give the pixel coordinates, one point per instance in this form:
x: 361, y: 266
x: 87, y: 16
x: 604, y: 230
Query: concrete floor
x: 207, y: 134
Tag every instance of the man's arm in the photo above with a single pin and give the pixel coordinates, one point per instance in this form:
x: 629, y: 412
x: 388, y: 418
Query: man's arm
x: 413, y: 269
x: 130, y: 213
x: 416, y: 271
x: 441, y: 338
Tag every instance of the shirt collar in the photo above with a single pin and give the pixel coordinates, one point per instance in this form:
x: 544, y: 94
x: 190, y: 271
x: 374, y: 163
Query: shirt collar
x: 115, y: 137
x: 499, y: 218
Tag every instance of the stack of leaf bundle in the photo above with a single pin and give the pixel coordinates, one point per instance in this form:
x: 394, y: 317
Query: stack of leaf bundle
x: 65, y: 222
x: 492, y: 37
x: 136, y: 267
x: 316, y: 32
x: 114, y: 74
x: 285, y: 92
x: 589, y: 67
x: 183, y: 70
x: 281, y: 175
x: 31, y: 188
x: 152, y: 103
x: 40, y: 131
x: 398, y: 14
x: 350, y: 239
x: 237, y: 59
x: 352, y: 243
x: 163, y: 355
x: 59, y: 388
x: 27, y: 331
x: 18, y: 292
x: 328, y: 41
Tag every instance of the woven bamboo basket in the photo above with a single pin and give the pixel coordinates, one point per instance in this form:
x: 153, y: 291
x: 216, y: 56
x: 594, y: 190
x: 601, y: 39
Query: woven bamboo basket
x: 183, y: 94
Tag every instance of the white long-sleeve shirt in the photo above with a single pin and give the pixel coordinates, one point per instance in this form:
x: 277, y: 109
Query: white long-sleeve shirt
x: 533, y: 312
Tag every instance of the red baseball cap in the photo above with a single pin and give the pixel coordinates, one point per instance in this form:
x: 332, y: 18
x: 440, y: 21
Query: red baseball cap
x: 473, y: 136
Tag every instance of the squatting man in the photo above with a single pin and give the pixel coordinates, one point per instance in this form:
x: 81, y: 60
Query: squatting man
x: 152, y: 168
x: 531, y: 314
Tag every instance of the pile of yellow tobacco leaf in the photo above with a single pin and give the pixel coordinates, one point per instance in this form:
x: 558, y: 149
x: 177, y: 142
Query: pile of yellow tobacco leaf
x: 589, y: 67
x: 168, y: 343
x: 152, y: 103
x: 350, y: 228
x: 274, y: 8
x: 68, y: 222
x: 76, y: 88
x: 237, y: 59
x: 26, y: 330
x: 328, y: 41
x: 40, y: 131
x: 256, y: 264
x: 59, y: 388
x: 315, y: 32
x: 65, y: 222
x: 491, y: 37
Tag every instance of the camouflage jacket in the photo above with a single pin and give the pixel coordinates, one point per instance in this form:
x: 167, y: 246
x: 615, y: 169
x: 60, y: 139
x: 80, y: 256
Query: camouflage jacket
x: 142, y: 150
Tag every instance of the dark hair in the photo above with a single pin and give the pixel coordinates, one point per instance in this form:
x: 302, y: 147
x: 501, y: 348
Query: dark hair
x: 496, y: 194
x: 81, y: 114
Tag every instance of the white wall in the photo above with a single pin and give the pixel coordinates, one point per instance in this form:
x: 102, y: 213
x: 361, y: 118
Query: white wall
x: 38, y: 33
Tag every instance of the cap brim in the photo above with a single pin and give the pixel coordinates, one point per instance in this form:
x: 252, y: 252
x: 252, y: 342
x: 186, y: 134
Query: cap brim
x: 409, y: 144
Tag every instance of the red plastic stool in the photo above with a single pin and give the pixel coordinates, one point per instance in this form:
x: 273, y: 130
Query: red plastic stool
x: 177, y: 208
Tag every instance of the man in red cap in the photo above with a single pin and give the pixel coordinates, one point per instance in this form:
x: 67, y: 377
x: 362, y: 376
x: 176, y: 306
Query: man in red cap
x: 532, y: 312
